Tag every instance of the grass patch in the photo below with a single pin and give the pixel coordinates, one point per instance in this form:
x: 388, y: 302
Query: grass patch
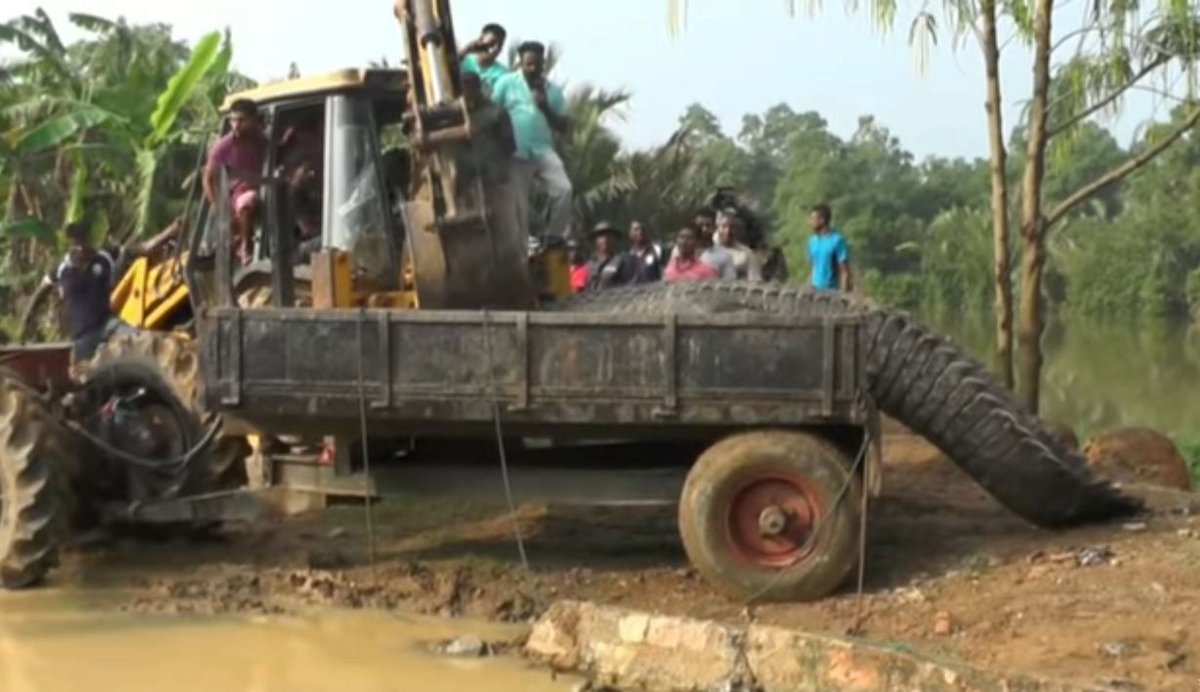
x: 1189, y: 447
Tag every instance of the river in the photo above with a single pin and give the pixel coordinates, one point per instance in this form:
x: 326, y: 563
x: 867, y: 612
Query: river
x: 1102, y: 376
x: 55, y: 640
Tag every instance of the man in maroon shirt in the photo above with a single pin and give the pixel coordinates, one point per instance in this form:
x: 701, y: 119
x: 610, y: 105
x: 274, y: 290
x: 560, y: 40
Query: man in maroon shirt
x: 241, y: 152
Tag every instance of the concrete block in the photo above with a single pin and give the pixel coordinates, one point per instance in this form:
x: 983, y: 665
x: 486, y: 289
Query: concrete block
x: 632, y: 650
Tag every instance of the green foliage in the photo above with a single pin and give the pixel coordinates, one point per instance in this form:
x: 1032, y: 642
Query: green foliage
x: 1189, y: 446
x: 183, y: 85
x: 58, y: 129
x: 28, y: 228
x: 110, y: 127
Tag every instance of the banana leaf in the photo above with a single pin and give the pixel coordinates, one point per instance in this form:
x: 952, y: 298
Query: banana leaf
x: 53, y: 132
x: 28, y: 228
x: 207, y: 53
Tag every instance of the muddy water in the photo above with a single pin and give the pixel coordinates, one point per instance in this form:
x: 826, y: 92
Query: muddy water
x: 53, y: 640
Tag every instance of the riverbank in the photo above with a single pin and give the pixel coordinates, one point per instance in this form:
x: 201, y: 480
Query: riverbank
x: 949, y: 573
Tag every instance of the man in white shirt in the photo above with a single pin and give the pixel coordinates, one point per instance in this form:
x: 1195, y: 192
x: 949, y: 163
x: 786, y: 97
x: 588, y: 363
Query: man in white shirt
x: 729, y: 230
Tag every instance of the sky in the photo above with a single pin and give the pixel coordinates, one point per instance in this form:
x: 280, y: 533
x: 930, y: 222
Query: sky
x: 733, y: 56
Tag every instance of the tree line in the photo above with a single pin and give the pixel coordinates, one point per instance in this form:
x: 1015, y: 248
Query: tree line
x: 112, y: 127
x: 1083, y: 67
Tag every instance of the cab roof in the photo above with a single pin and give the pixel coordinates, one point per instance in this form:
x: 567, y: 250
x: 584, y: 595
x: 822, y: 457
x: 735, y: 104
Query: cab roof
x: 367, y: 79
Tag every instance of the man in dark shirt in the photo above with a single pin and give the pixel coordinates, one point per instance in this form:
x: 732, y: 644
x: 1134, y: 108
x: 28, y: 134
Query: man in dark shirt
x: 492, y: 140
x: 86, y: 277
x: 609, y: 267
x: 647, y: 258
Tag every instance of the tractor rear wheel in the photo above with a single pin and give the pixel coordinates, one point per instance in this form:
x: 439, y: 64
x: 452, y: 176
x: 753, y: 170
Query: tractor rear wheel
x: 772, y: 516
x: 172, y: 355
x: 34, y: 501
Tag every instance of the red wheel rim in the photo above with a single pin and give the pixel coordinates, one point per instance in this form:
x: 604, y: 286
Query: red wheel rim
x: 769, y: 520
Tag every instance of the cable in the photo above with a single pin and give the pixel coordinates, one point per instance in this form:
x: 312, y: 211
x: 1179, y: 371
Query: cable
x: 512, y: 507
x: 178, y: 463
x: 363, y: 447
x: 495, y: 403
x: 862, y: 452
x: 862, y: 561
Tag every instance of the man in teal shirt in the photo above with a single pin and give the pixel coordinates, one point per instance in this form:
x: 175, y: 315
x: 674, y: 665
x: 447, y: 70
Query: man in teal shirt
x: 482, y: 56
x: 537, y: 109
x: 828, y: 252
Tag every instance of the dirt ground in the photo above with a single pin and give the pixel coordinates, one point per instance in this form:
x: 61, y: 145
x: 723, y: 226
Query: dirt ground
x: 948, y: 573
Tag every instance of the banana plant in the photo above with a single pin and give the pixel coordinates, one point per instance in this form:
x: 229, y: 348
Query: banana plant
x: 209, y: 60
x: 144, y: 140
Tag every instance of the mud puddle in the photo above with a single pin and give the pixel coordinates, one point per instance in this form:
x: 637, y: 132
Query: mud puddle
x: 57, y: 639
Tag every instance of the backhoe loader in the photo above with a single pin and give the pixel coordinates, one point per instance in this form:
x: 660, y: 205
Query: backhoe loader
x: 370, y: 145
x: 417, y: 313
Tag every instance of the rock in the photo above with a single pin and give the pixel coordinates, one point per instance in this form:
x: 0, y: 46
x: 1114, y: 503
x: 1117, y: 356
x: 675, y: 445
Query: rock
x: 911, y: 594
x: 1064, y: 433
x: 1037, y: 571
x: 336, y: 532
x: 466, y: 646
x: 1138, y: 455
x: 941, y: 624
x: 1135, y: 527
x: 1095, y: 555
x: 1117, y: 649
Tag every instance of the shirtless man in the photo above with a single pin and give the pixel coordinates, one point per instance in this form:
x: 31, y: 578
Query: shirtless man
x: 241, y: 151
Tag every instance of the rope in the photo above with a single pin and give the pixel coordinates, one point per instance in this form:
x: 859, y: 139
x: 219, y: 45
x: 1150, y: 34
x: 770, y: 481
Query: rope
x: 821, y: 522
x: 363, y: 447
x: 862, y: 562
x: 494, y: 399
x: 495, y: 403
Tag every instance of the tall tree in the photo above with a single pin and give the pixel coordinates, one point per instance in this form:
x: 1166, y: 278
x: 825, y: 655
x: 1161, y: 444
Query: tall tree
x: 998, y: 166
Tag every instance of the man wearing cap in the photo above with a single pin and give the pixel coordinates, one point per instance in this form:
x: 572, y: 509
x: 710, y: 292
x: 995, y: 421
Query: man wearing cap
x: 608, y: 267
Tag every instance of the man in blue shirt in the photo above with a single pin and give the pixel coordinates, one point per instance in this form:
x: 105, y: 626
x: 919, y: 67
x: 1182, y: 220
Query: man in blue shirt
x: 537, y: 109
x: 827, y: 252
x: 482, y: 56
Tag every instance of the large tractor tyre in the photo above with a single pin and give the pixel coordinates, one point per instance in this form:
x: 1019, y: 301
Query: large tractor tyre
x: 35, y: 500
x: 166, y: 364
x: 926, y: 382
x: 43, y: 317
x: 772, y: 516
x: 174, y: 356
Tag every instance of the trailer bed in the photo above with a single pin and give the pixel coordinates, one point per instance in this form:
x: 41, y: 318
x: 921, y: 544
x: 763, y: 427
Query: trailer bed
x: 548, y: 371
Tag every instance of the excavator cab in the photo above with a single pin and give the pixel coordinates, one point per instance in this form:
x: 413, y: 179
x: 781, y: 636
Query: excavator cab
x: 353, y: 211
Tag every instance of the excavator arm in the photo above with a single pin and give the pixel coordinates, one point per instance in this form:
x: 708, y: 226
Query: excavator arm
x: 463, y: 242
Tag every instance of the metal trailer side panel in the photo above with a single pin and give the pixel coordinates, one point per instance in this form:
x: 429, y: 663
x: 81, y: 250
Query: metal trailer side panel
x: 419, y: 368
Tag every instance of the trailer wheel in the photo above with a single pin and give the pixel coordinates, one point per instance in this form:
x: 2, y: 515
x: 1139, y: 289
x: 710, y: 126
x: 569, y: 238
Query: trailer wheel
x: 772, y: 516
x: 32, y: 512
